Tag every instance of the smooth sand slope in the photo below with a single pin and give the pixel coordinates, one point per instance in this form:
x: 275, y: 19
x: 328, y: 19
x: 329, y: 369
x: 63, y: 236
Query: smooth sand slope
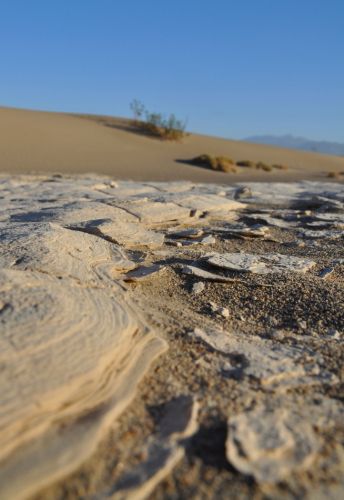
x: 32, y: 141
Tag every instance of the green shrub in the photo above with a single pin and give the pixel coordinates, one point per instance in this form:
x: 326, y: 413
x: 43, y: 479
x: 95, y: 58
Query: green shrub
x: 156, y: 124
x: 246, y: 163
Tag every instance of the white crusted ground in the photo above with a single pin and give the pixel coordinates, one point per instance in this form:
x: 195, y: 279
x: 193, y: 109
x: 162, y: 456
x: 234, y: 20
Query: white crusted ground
x: 74, y: 347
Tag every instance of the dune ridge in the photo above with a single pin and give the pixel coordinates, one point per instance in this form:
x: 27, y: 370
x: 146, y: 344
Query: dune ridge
x: 36, y: 141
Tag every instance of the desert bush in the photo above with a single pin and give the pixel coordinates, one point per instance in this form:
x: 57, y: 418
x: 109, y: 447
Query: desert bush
x: 333, y: 175
x: 246, y: 163
x: 138, y: 110
x: 156, y: 124
x: 225, y: 159
x: 225, y: 164
x: 205, y: 160
x: 263, y: 166
x: 221, y: 163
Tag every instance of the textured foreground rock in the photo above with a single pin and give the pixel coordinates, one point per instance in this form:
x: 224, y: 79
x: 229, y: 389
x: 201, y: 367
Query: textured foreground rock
x: 164, y: 452
x: 274, y: 366
x: 261, y: 264
x: 95, y: 282
x: 269, y: 444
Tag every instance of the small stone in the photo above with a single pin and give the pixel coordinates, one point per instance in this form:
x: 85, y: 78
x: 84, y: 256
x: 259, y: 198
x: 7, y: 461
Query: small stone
x: 186, y: 233
x: 213, y: 307
x: 269, y: 445
x: 260, y: 264
x: 174, y: 243
x: 201, y: 273
x: 198, y: 287
x: 272, y: 321
x: 223, y: 311
x: 143, y: 273
x: 302, y: 325
x: 276, y: 334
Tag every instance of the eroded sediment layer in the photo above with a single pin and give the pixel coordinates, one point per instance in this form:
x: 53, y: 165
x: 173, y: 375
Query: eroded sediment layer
x: 72, y: 347
x: 90, y: 269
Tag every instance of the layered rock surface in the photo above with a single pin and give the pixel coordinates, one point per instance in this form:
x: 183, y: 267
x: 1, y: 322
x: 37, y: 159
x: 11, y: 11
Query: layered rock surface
x: 95, y: 280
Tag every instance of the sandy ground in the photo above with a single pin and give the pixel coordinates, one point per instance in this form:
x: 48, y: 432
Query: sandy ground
x: 187, y: 368
x: 293, y: 317
x: 32, y: 141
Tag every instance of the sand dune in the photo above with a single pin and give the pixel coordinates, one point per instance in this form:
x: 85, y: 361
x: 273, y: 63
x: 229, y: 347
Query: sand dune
x: 32, y: 141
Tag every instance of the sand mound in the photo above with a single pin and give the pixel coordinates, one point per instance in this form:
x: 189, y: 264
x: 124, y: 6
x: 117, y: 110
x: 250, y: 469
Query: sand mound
x: 56, y: 142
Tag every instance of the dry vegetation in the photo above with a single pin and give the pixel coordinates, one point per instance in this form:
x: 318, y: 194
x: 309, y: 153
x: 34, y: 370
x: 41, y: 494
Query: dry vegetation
x: 335, y: 175
x: 246, y: 163
x: 155, y: 124
x: 225, y: 164
x: 261, y: 165
x: 221, y: 163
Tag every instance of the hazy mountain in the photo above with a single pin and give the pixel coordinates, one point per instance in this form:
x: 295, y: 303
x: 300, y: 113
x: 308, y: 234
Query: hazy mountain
x: 291, y: 142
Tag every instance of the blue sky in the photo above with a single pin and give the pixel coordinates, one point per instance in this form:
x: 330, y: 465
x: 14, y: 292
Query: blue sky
x: 231, y: 68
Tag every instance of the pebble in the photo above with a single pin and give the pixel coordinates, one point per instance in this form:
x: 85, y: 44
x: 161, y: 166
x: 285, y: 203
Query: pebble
x: 143, y: 272
x: 302, y: 324
x: 272, y: 321
x: 222, y: 311
x: 213, y: 306
x: 277, y: 334
x: 198, y: 287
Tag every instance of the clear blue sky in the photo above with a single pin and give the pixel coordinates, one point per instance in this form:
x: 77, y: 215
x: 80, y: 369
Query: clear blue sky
x: 231, y: 67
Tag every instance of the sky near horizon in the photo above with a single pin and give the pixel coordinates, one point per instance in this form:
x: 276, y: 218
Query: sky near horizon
x: 230, y: 68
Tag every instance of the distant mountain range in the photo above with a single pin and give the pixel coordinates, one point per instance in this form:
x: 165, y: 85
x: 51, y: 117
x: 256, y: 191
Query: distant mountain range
x: 291, y: 142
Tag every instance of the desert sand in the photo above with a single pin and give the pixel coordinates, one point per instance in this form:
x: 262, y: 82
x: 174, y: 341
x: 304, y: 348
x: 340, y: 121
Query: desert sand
x: 32, y: 141
x: 170, y: 339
